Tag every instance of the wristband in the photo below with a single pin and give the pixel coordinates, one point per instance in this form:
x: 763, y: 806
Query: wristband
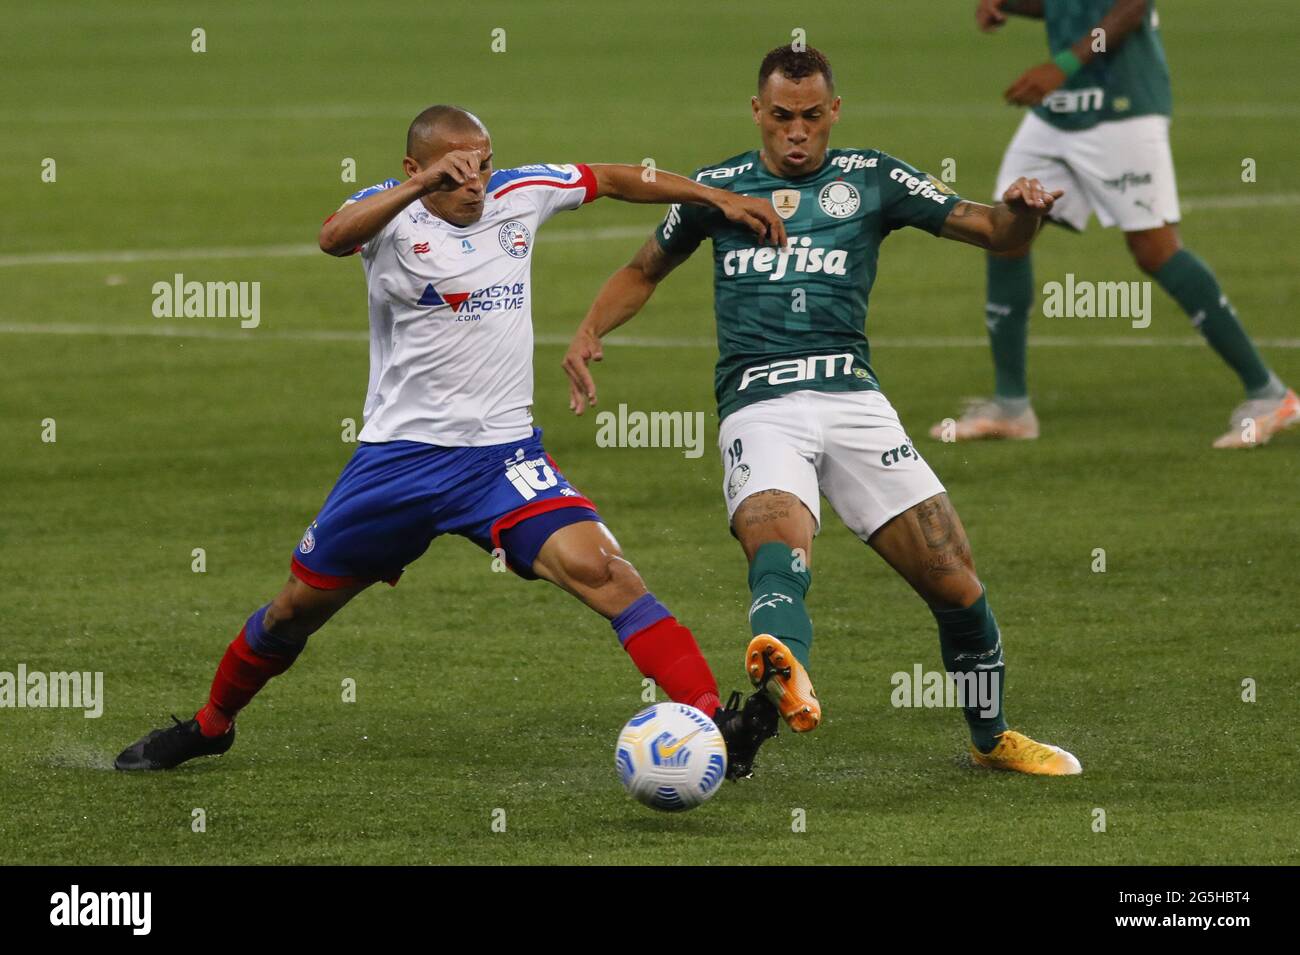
x: 1068, y: 62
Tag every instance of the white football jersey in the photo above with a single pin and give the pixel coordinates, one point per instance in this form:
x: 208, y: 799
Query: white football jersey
x: 451, y: 330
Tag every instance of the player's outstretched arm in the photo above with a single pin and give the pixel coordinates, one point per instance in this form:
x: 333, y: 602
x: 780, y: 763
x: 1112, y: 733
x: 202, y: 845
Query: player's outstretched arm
x: 621, y: 297
x: 635, y: 184
x: 1120, y: 20
x: 358, y: 222
x: 1008, y: 225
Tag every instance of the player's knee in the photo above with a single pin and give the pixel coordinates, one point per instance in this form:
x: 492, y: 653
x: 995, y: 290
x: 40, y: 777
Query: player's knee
x: 950, y: 580
x: 281, y: 617
x: 1148, y: 261
x: 773, y: 517
x: 953, y: 590
x: 601, y: 570
x: 1152, y: 249
x: 289, y: 617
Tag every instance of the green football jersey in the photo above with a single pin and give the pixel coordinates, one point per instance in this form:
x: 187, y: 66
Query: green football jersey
x: 795, y: 318
x: 1131, y: 80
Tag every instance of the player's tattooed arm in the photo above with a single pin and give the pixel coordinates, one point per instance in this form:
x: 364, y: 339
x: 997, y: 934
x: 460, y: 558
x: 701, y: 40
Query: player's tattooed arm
x: 638, y: 184
x: 358, y: 222
x: 1009, y: 225
x: 1123, y: 17
x: 619, y: 299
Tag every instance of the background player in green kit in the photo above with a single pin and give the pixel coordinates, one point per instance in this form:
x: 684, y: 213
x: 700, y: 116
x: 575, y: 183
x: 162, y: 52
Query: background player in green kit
x: 1099, y: 129
x: 801, y: 410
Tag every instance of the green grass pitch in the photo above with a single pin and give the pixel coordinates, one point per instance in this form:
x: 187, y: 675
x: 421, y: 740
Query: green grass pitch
x: 477, y: 691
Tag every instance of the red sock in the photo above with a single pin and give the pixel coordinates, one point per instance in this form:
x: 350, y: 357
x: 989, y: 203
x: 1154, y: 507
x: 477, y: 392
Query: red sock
x: 667, y: 652
x: 241, y: 673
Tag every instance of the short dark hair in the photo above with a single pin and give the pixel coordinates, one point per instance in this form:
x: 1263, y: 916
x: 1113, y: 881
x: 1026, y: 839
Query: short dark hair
x: 439, y: 119
x: 795, y: 64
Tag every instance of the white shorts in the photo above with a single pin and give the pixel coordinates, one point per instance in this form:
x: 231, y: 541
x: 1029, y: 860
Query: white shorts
x: 1122, y: 170
x: 849, y: 445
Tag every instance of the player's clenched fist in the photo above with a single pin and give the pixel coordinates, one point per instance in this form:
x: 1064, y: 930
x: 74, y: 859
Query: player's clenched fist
x: 1031, y: 196
x: 450, y: 172
x: 756, y: 214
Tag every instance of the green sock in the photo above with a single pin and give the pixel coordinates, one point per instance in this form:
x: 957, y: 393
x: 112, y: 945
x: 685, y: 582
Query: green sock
x: 970, y: 643
x: 1006, y: 314
x: 1193, y: 286
x: 778, y: 582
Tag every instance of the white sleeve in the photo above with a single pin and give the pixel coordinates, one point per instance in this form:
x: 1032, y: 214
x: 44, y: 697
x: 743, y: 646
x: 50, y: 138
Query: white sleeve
x: 549, y: 188
x: 368, y: 249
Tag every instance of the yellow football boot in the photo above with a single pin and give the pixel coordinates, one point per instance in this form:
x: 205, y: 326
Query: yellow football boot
x: 772, y: 668
x: 1017, y: 753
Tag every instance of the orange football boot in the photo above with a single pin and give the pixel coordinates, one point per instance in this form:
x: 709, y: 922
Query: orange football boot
x: 772, y: 668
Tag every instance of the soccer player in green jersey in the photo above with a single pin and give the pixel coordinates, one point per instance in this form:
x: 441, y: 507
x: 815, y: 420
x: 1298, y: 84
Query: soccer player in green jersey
x: 1099, y: 129
x: 801, y: 410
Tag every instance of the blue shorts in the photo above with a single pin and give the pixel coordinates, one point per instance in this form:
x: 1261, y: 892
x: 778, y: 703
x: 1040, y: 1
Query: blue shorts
x: 394, y: 498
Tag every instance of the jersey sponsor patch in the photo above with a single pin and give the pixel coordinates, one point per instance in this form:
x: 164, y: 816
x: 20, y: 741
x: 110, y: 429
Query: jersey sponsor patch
x: 839, y: 199
x: 724, y: 172
x: 852, y: 161
x: 672, y: 219
x: 798, y: 256
x: 790, y: 370
x: 493, y: 298
x: 916, y: 186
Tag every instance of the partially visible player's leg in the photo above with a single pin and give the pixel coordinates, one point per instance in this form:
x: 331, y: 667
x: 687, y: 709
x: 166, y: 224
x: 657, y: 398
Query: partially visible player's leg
x: 1034, y: 151
x: 576, y: 551
x: 373, y: 523
x: 267, y: 645
x: 1126, y: 168
x: 1270, y: 406
x: 890, y: 498
x: 927, y: 545
x: 770, y: 486
x: 775, y: 529
x: 586, y: 560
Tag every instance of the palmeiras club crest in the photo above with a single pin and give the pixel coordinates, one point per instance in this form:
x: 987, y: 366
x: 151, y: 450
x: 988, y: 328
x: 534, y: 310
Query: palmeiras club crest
x: 515, y: 238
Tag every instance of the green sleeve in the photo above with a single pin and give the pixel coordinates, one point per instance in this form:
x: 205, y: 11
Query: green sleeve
x: 911, y: 197
x: 684, y: 227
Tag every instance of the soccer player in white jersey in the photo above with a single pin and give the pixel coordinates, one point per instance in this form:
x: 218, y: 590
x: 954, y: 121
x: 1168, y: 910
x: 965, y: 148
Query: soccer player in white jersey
x: 449, y: 445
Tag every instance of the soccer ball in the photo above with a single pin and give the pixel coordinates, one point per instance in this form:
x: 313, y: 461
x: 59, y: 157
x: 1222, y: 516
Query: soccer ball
x: 671, y: 757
